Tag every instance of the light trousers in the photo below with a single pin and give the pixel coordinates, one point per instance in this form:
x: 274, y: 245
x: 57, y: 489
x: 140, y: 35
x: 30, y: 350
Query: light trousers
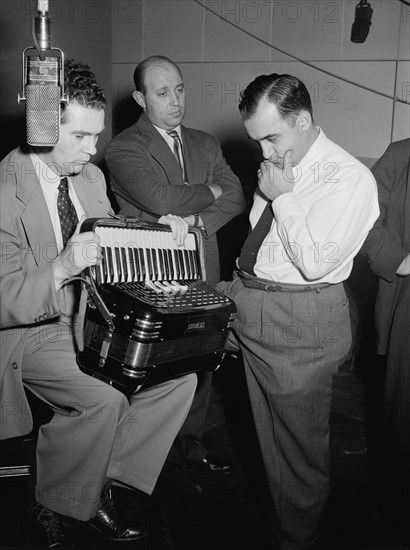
x: 292, y: 344
x: 96, y: 432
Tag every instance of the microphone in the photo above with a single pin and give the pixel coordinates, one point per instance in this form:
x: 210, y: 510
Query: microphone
x: 43, y: 83
x: 362, y: 22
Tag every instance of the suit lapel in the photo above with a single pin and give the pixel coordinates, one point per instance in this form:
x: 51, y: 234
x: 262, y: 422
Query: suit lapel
x: 194, y: 164
x: 35, y: 216
x: 160, y: 151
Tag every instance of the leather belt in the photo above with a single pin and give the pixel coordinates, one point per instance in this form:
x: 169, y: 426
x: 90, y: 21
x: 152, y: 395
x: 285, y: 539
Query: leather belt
x: 272, y: 286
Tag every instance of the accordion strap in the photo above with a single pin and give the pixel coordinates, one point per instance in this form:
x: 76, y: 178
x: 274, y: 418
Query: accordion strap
x: 90, y: 291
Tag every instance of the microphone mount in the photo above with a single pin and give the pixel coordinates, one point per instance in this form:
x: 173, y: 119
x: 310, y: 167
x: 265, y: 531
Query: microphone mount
x: 43, y: 83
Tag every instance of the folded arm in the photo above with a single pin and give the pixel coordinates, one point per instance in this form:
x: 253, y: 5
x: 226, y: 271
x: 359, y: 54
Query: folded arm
x: 140, y: 180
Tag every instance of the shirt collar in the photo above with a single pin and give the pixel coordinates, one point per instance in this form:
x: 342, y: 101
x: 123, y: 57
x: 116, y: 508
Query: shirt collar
x: 315, y: 149
x: 164, y: 132
x: 44, y: 173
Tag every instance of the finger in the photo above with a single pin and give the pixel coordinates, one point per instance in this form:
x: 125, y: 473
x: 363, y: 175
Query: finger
x: 287, y: 158
x: 95, y: 238
x: 87, y: 236
x: 174, y: 229
x: 99, y: 253
x: 183, y: 232
x: 77, y: 229
x: 179, y: 234
x: 165, y: 220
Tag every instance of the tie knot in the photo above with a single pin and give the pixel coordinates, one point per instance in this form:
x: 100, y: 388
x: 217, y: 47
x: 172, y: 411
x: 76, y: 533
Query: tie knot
x: 63, y: 185
x: 173, y: 134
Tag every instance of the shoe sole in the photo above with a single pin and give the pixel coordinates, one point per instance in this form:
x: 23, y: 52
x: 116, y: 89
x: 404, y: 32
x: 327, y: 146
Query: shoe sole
x: 92, y: 529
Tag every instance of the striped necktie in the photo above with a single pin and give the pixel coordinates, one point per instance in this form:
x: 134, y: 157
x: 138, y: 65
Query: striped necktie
x: 178, y: 152
x: 251, y: 246
x: 66, y: 211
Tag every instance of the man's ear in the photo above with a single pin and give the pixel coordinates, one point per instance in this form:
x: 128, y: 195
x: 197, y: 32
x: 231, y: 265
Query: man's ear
x: 139, y: 98
x: 304, y: 120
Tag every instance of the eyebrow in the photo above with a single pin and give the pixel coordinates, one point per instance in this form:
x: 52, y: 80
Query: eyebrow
x: 268, y: 136
x: 84, y: 133
x: 167, y: 87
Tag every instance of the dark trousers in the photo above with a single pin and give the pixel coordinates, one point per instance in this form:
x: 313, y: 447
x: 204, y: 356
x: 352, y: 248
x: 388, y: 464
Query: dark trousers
x: 188, y: 443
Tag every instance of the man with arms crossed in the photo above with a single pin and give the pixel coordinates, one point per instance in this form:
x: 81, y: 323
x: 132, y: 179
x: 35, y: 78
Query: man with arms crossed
x: 164, y: 172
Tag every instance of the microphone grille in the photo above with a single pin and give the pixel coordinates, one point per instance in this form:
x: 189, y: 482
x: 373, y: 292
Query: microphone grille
x: 42, y: 114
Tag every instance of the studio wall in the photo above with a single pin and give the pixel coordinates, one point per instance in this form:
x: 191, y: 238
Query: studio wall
x: 218, y: 59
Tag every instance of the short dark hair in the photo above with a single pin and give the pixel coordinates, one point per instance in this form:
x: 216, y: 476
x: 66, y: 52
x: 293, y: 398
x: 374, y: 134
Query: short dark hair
x: 287, y: 92
x: 139, y: 73
x: 81, y: 86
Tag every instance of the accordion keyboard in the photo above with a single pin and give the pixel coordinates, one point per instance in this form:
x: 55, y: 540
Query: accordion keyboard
x: 146, y: 256
x: 197, y: 294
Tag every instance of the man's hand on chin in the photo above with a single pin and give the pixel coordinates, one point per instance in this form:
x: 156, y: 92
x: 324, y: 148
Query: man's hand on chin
x: 274, y: 180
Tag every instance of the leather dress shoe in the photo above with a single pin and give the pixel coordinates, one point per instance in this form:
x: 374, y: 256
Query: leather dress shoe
x: 105, y: 523
x: 213, y: 465
x: 43, y: 527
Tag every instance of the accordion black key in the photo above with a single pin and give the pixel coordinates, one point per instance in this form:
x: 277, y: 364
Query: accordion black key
x: 150, y: 314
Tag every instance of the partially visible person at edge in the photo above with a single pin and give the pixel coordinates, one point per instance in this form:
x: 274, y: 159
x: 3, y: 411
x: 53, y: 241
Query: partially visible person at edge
x: 313, y: 208
x: 96, y: 434
x: 387, y: 247
x: 165, y: 172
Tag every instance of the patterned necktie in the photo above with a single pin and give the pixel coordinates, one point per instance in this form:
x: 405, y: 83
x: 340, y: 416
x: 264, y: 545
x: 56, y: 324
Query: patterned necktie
x: 66, y: 211
x: 178, y: 152
x: 251, y: 246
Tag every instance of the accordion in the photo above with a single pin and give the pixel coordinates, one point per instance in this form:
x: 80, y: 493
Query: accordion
x: 150, y: 315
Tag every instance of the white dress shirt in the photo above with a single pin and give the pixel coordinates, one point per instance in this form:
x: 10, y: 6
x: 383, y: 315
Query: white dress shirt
x: 320, y: 226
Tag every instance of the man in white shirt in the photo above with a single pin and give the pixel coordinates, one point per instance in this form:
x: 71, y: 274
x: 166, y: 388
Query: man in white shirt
x: 315, y: 204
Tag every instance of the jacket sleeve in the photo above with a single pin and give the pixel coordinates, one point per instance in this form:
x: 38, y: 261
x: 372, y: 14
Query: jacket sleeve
x: 232, y: 201
x: 383, y: 247
x: 140, y: 180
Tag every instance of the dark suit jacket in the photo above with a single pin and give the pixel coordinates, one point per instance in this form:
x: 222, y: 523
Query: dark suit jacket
x: 27, y: 290
x: 147, y: 182
x: 388, y: 242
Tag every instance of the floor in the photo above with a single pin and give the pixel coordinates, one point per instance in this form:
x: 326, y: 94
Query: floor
x: 192, y: 511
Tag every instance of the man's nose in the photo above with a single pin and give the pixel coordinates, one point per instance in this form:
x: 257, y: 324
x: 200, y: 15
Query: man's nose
x: 175, y: 99
x: 267, y: 150
x: 90, y: 146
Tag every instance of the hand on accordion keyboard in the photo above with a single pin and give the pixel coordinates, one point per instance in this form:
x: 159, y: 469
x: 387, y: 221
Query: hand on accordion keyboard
x: 81, y: 251
x: 178, y: 225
